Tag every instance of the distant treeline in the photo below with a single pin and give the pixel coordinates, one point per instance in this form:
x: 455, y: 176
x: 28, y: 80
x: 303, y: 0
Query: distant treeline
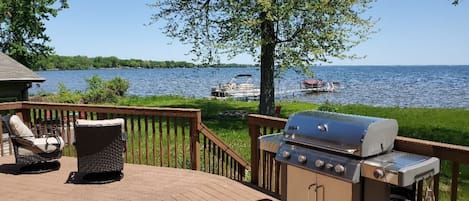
x: 56, y: 62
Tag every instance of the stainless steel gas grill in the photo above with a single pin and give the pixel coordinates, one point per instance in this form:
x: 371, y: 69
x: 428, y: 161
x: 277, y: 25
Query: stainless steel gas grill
x: 337, y: 157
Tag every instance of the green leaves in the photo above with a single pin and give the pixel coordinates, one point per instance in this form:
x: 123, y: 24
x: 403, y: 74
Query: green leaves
x: 98, y: 91
x: 306, y: 32
x: 281, y: 34
x: 22, y: 28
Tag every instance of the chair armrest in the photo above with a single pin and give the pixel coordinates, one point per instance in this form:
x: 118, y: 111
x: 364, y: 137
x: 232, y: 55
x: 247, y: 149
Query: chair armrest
x: 22, y: 141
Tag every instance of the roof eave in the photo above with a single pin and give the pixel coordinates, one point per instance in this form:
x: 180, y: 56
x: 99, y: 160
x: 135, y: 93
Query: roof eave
x: 24, y: 80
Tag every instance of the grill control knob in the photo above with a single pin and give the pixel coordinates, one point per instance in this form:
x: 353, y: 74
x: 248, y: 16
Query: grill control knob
x: 329, y: 166
x: 286, y: 154
x: 302, y: 159
x: 319, y: 163
x: 378, y: 173
x: 339, y: 168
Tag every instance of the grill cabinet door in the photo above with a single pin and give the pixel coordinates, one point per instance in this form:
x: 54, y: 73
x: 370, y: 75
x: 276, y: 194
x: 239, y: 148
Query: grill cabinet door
x: 300, y: 184
x: 310, y: 186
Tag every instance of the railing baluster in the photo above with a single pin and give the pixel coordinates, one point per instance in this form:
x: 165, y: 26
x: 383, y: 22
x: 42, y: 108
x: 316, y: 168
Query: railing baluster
x: 62, y: 127
x: 160, y: 130
x: 236, y: 169
x: 183, y: 127
x: 74, y: 119
x: 146, y: 139
x: 56, y: 120
x: 454, y: 180
x: 139, y: 137
x: 215, y: 158
x: 277, y: 177
x: 232, y: 164
x: 175, y: 142
x: 419, y: 190
x: 436, y: 186
x: 218, y: 160
x: 66, y: 130
x: 264, y: 171
x: 126, y: 129
x: 1, y: 137
x: 132, y: 130
x: 271, y: 170
x: 153, y: 126
x: 243, y: 173
x: 205, y: 153
x: 42, y: 123
x: 224, y: 163
x: 209, y: 155
x: 168, y: 140
x: 33, y: 119
x: 207, y: 150
x: 210, y: 159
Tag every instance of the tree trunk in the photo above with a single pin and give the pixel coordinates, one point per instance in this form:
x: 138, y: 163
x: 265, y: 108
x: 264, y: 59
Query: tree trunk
x: 267, y: 96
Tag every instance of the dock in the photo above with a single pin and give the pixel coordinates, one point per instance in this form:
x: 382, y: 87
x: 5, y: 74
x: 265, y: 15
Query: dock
x: 289, y: 92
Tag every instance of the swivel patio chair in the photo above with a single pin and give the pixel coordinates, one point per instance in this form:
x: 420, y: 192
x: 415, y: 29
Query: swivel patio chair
x: 100, y: 145
x: 33, y: 154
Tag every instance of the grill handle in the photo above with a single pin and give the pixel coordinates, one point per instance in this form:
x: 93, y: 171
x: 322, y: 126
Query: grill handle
x: 330, y: 148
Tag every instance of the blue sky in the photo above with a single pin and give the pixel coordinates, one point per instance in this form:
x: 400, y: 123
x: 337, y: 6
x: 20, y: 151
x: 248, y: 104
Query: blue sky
x: 411, y: 32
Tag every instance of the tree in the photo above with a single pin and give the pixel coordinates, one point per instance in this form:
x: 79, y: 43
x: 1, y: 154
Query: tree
x: 281, y: 34
x: 22, y: 28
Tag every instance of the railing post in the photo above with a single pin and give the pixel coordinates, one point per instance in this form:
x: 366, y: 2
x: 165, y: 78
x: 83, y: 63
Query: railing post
x: 195, y: 142
x: 254, y: 134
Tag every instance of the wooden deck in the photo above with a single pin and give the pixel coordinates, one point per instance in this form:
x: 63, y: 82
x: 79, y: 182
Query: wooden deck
x: 140, y: 182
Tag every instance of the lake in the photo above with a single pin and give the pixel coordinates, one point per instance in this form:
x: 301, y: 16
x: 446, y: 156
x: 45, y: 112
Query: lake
x: 403, y: 86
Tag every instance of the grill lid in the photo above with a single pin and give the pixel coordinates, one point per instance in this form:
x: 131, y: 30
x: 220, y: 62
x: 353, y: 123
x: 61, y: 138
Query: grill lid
x: 349, y: 134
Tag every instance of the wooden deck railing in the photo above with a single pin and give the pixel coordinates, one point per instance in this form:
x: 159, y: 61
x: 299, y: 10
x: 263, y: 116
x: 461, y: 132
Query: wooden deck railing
x: 165, y: 137
x: 266, y: 172
x: 220, y: 158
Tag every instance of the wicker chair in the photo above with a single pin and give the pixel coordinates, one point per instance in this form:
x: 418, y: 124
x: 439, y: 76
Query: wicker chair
x: 34, y: 154
x: 100, y: 145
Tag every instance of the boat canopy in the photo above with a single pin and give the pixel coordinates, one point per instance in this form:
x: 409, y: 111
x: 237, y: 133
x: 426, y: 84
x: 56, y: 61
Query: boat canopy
x: 243, y: 75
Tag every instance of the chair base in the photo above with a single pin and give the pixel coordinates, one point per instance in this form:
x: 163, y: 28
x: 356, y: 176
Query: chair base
x: 95, y: 178
x: 40, y: 167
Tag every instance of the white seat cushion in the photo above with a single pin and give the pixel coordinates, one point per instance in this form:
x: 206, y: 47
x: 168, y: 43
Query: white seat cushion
x: 49, y: 144
x: 20, y: 129
x: 100, y: 123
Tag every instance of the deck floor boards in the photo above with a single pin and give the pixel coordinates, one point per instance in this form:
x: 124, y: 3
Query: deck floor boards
x: 140, y: 182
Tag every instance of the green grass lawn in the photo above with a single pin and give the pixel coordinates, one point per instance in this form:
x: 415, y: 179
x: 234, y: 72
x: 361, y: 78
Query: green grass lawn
x: 436, y: 124
x: 441, y: 125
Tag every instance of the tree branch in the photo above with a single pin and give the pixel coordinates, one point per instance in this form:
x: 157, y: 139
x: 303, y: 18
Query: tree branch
x: 293, y: 36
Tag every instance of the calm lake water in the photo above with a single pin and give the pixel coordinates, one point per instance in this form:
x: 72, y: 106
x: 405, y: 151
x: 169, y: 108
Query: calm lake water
x: 403, y: 86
